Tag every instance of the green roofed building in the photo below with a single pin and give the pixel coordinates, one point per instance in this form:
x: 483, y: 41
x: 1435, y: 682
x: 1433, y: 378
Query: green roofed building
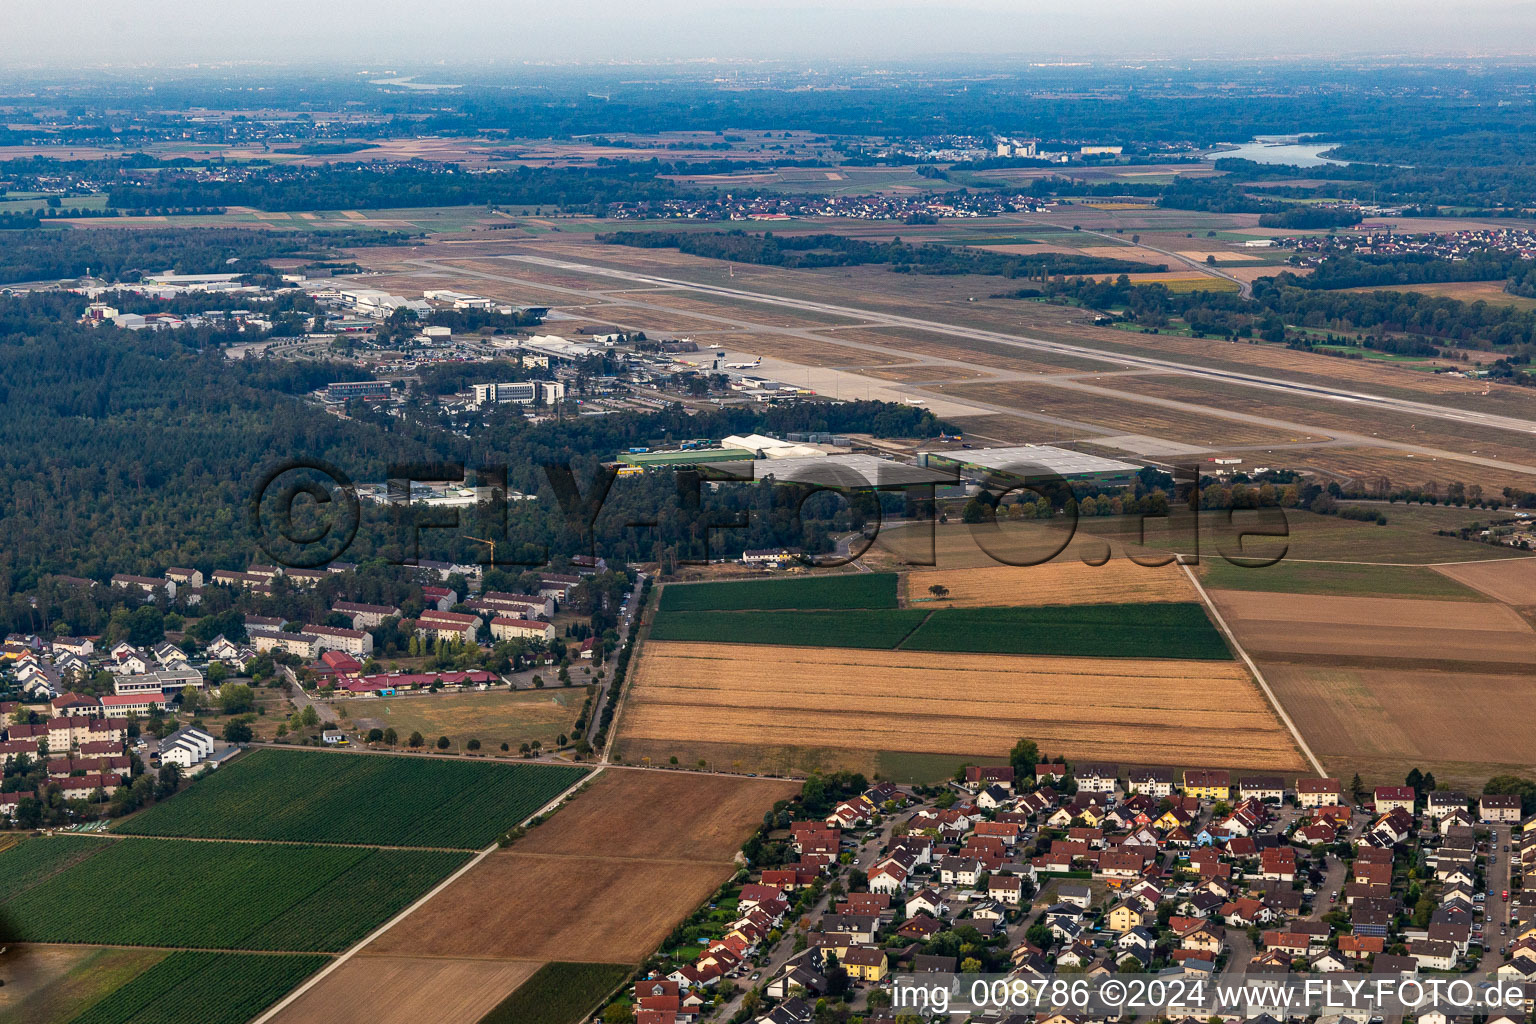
x: 682, y: 457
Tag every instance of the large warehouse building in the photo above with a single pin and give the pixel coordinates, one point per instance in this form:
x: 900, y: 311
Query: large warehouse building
x: 1033, y: 460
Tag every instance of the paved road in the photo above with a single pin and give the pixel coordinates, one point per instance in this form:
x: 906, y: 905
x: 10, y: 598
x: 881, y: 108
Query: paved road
x: 1245, y: 289
x: 627, y: 626
x: 302, y: 700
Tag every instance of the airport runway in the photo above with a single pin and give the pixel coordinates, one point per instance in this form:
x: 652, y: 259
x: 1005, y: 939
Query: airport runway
x: 1060, y: 348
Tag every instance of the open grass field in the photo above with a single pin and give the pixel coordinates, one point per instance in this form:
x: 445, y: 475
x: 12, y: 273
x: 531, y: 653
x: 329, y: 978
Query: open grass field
x: 407, y: 989
x: 1378, y: 632
x: 560, y: 993
x: 55, y: 984
x: 878, y: 629
x: 305, y: 898
x: 1058, y: 582
x: 761, y: 704
x: 1338, y: 579
x: 848, y: 590
x: 1512, y: 580
x: 1120, y: 413
x: 494, y: 717
x: 302, y: 796
x: 203, y: 988
x: 602, y: 881
x: 1123, y: 630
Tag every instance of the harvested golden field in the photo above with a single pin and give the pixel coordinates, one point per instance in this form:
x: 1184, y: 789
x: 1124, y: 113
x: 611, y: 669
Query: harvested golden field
x: 1162, y: 712
x: 1062, y: 581
x: 1511, y: 580
x: 406, y: 989
x: 1371, y: 631
x: 1007, y: 544
x: 1376, y: 720
x: 570, y: 891
x: 1491, y: 292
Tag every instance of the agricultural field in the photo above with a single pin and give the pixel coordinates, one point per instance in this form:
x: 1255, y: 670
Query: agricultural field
x: 1339, y: 579
x: 570, y: 893
x: 560, y: 993
x: 1454, y: 723
x: 772, y: 709
x: 850, y: 590
x: 407, y: 990
x: 302, y: 898
x: 311, y: 797
x: 856, y: 628
x: 493, y: 717
x: 1378, y: 632
x: 1512, y: 581
x: 203, y: 988
x: 1059, y: 582
x: 54, y: 984
x: 33, y: 861
x: 1125, y: 630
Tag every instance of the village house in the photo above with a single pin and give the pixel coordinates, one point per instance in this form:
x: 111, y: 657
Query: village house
x: 1499, y: 808
x: 1317, y: 792
x: 1153, y: 782
x: 1208, y: 785
x: 1392, y: 798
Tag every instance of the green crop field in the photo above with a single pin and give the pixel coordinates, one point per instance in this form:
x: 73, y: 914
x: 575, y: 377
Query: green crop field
x: 37, y: 860
x: 157, y: 892
x: 1086, y: 631
x: 559, y: 993
x: 203, y: 988
x: 310, y: 797
x: 854, y: 590
x: 857, y: 628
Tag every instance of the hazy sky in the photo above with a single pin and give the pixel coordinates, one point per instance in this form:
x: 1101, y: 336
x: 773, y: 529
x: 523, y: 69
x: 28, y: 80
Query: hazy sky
x: 178, y: 32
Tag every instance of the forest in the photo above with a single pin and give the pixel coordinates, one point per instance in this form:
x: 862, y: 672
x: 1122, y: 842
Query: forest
x: 812, y: 251
x: 48, y: 254
x: 131, y: 452
x: 1287, y: 299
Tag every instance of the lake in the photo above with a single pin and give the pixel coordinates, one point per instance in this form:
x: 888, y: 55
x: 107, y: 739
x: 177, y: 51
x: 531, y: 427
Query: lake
x: 1279, y: 149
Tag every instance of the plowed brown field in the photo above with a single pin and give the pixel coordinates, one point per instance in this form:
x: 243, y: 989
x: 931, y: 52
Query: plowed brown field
x: 406, y: 989
x: 1371, y: 631
x: 1511, y: 580
x: 605, y: 879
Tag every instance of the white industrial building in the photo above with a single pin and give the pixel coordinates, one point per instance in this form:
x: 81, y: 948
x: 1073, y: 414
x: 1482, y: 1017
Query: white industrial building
x: 1027, y: 461
x: 186, y: 747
